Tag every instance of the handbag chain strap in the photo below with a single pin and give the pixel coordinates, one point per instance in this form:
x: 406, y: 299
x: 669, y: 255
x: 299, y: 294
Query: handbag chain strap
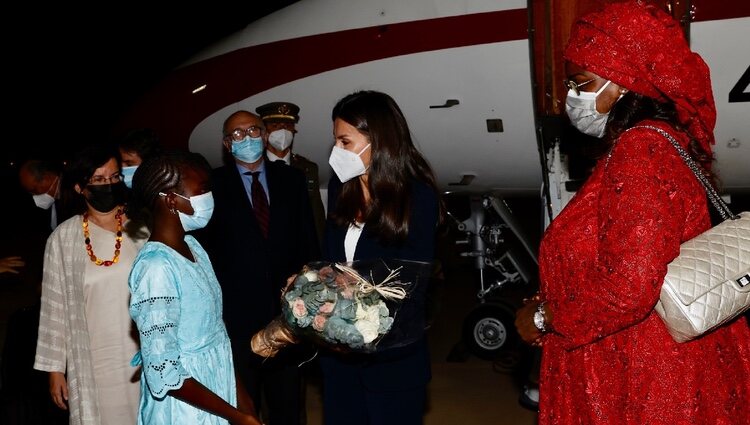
x: 716, y: 200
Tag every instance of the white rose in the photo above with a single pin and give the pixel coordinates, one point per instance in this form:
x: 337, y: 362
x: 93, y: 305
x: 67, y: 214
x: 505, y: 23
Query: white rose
x: 360, y: 313
x: 311, y: 276
x: 368, y: 322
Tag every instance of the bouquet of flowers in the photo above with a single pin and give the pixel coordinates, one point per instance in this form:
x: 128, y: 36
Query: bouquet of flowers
x: 362, y: 306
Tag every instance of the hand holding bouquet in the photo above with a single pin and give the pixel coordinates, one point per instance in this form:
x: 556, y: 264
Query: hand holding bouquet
x: 351, y: 307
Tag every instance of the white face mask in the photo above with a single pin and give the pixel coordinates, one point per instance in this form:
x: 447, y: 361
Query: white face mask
x: 45, y: 200
x: 581, y: 109
x: 203, y: 209
x: 281, y: 139
x: 347, y: 164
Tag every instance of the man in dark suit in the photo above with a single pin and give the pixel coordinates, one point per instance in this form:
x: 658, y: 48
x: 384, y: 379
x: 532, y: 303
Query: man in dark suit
x: 41, y: 180
x: 280, y: 119
x: 261, y: 232
x: 36, y: 210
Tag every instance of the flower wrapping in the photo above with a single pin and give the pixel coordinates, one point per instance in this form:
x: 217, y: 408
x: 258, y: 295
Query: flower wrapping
x: 362, y: 306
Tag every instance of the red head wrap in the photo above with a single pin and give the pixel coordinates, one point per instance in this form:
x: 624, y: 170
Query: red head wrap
x: 641, y: 48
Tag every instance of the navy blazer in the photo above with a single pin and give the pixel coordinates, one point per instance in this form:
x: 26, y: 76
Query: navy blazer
x: 252, y: 270
x: 403, y: 367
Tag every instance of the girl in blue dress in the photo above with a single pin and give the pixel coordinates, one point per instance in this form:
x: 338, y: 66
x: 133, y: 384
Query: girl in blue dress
x: 187, y: 374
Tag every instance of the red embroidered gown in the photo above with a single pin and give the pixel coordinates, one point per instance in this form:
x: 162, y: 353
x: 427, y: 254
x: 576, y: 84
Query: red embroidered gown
x: 602, y: 261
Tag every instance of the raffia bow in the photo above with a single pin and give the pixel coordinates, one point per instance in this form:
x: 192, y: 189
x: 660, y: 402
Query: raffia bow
x: 382, y: 288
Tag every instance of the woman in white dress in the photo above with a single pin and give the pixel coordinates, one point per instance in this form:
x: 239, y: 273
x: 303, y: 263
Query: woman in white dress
x: 86, y: 337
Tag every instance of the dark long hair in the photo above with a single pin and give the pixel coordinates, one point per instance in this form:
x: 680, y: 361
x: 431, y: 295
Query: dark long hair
x: 160, y: 173
x: 394, y: 166
x: 634, y: 108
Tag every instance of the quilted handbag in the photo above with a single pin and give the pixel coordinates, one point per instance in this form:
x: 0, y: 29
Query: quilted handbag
x: 708, y: 284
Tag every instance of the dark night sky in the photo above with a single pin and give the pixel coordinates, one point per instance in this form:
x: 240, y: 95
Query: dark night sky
x: 70, y: 73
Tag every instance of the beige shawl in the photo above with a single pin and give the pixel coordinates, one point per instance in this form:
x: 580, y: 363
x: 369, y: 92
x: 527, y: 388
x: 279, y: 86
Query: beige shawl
x: 63, y: 341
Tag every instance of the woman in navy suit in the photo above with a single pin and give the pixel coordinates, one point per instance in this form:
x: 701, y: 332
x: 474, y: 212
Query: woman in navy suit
x: 383, y: 204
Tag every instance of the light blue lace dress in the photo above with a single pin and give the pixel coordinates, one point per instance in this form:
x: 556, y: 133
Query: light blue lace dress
x: 177, y: 307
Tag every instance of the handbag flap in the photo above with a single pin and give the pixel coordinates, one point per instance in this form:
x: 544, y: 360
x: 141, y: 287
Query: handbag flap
x: 711, y: 259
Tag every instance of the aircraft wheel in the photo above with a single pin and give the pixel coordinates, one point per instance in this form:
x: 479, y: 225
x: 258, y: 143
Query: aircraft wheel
x: 488, y: 330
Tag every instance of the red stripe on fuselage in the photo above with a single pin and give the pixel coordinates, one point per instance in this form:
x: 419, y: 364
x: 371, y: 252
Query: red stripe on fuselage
x: 713, y: 10
x: 173, y: 111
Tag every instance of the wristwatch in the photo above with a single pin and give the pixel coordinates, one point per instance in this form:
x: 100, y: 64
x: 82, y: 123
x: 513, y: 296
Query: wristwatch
x: 540, y: 321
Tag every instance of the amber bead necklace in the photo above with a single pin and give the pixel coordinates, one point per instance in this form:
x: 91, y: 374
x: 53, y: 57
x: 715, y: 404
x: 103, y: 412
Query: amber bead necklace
x: 118, y: 240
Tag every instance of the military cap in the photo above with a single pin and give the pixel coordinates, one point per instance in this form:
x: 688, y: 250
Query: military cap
x: 278, y: 111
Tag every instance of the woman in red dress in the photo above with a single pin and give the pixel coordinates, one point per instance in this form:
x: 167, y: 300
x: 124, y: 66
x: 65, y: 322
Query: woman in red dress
x: 607, y: 356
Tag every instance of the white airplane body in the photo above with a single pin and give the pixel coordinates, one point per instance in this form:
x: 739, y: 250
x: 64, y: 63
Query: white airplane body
x: 423, y: 53
x: 725, y: 46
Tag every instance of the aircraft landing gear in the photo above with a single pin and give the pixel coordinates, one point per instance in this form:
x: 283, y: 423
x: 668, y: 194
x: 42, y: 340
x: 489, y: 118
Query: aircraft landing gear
x: 498, y: 248
x: 489, y: 330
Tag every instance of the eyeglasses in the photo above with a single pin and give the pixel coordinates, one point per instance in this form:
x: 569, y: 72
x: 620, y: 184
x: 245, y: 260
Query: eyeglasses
x: 576, y: 86
x: 238, y: 134
x: 114, y: 178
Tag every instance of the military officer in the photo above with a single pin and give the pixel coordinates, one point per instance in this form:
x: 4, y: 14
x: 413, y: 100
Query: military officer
x: 280, y: 119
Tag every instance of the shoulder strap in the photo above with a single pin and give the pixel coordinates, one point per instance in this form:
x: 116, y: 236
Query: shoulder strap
x: 714, y: 197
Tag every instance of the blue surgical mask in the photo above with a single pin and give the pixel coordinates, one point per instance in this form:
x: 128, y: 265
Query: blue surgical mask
x: 203, y: 209
x: 249, y: 150
x: 127, y: 175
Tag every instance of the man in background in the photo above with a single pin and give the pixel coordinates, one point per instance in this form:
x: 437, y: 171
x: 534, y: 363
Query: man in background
x: 33, y: 209
x: 280, y: 119
x: 261, y: 232
x: 135, y: 147
x: 42, y: 181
